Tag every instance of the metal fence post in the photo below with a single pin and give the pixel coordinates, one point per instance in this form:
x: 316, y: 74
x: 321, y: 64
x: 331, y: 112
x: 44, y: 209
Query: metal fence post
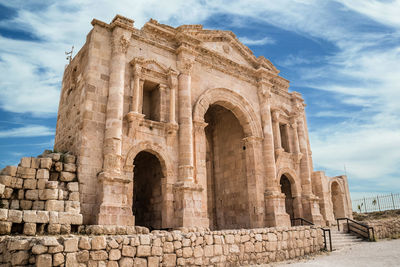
x: 377, y: 200
x: 393, y: 201
x: 365, y: 205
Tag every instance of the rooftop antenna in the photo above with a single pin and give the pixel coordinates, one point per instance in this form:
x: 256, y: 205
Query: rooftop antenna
x: 69, y: 54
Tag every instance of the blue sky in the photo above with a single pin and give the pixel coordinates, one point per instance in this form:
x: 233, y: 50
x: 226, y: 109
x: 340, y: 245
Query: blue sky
x: 342, y: 55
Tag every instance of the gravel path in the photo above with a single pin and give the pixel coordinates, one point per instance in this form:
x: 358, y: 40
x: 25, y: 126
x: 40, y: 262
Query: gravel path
x: 382, y: 254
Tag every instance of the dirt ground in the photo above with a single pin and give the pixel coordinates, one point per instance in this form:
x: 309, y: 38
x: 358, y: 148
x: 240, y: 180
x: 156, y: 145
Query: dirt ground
x: 382, y: 254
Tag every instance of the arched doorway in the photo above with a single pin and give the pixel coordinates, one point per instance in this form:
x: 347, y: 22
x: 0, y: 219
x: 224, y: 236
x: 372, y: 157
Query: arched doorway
x: 337, y: 201
x: 286, y: 188
x: 227, y: 196
x: 147, y: 193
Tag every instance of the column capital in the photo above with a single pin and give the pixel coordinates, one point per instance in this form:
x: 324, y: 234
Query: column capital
x: 252, y: 139
x: 199, y: 126
x: 275, y: 115
x: 120, y: 43
x: 185, y: 66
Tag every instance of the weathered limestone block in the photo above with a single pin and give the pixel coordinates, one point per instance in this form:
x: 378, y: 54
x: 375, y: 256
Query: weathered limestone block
x: 25, y: 204
x: 54, y: 228
x: 48, y: 194
x: 5, y: 180
x: 54, y: 205
x: 9, y: 171
x: 51, y: 184
x: 26, y: 172
x: 125, y: 262
x: 15, y: 216
x: 128, y: 251
x: 3, y: 214
x: 67, y: 176
x: 16, y: 183
x: 69, y: 167
x: 71, y: 244
x: 169, y: 260
x: 44, y: 260
x: 58, y: 166
x: 58, y: 259
x: 73, y: 186
x: 25, y: 162
x: 18, y: 244
x: 35, y: 163
x: 114, y: 254
x: 70, y: 259
x: 74, y: 196
x: 32, y: 194
x: 70, y: 218
x: 98, y: 255
x: 138, y: 262
x: 99, y: 242
x: 45, y: 163
x: 38, y: 205
x: 29, y: 228
x: 143, y: 251
x: 42, y: 174
x: 30, y: 184
x: 14, y: 204
x: 82, y: 256
x: 68, y: 158
x: 5, y: 228
x: 39, y: 249
x: 20, y: 258
x: 84, y: 243
x: 7, y: 193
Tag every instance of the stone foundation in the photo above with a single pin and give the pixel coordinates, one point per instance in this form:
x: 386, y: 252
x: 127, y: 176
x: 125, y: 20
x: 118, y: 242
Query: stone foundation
x: 162, y: 248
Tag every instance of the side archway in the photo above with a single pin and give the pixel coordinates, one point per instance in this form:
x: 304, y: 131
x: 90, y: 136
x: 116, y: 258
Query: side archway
x: 151, y: 191
x: 292, y: 191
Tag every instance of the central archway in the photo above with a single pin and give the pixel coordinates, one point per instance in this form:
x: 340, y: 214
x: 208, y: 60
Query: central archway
x: 147, y: 191
x: 227, y: 196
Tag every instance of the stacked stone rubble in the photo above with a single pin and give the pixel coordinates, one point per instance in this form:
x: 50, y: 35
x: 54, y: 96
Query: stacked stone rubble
x: 161, y: 248
x: 40, y: 195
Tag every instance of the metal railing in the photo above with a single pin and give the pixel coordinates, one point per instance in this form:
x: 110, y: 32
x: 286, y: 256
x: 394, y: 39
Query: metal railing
x: 324, y: 231
x: 377, y: 203
x: 358, y: 228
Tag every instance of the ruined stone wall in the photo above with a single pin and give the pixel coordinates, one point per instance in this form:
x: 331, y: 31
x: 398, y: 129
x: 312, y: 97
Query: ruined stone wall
x: 40, y: 195
x: 161, y: 248
x: 385, y: 228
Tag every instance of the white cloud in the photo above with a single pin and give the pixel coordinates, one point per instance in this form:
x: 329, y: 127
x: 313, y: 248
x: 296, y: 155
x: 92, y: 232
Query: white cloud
x: 263, y: 41
x: 27, y: 131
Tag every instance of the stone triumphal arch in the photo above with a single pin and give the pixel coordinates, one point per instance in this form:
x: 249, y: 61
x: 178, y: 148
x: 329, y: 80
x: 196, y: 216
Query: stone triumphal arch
x: 186, y: 127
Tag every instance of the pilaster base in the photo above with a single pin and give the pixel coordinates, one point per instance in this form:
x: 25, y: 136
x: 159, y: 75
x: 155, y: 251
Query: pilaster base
x: 311, y: 209
x: 188, y: 205
x: 114, y: 193
x: 275, y: 212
